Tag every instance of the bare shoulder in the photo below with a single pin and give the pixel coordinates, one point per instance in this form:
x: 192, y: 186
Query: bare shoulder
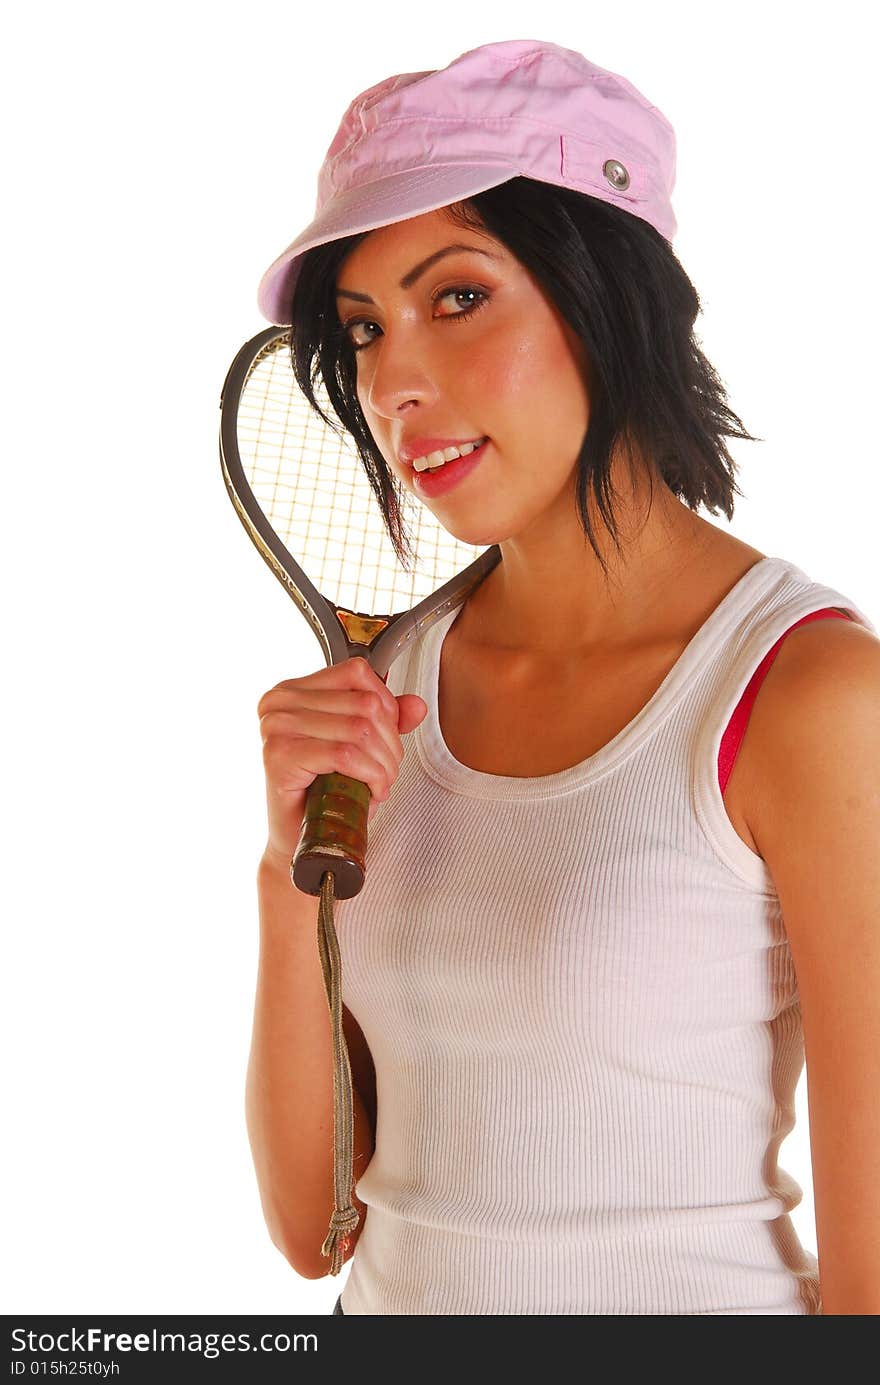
x: 817, y: 713
x: 823, y: 683
x: 826, y: 658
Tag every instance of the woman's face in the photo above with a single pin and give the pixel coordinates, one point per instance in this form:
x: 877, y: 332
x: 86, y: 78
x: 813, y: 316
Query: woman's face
x: 512, y: 370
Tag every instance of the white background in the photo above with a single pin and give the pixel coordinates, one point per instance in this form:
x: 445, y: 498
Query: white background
x: 158, y: 159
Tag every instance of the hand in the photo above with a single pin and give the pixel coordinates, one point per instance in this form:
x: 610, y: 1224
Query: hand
x: 341, y: 718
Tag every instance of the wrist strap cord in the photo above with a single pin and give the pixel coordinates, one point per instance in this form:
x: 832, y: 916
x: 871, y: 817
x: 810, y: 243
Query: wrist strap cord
x: 345, y: 1215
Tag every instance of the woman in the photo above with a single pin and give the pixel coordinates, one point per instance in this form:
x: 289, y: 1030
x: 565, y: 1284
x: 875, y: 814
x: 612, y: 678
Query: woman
x: 623, y: 857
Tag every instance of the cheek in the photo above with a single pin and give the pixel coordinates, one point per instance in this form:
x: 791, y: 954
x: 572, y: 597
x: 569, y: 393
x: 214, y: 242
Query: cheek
x: 538, y: 384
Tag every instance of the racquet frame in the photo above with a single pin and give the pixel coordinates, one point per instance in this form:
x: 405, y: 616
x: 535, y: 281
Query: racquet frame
x: 334, y: 826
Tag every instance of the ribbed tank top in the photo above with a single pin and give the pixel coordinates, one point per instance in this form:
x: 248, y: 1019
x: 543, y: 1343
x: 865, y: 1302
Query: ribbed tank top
x: 583, y: 1013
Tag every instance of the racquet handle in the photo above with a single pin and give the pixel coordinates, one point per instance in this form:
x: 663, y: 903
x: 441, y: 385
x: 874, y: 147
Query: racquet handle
x: 333, y: 836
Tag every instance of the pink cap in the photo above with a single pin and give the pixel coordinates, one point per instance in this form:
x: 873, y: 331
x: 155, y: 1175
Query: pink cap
x: 421, y: 140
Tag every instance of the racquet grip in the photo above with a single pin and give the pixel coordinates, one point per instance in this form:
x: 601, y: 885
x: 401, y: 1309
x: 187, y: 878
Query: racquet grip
x: 333, y: 836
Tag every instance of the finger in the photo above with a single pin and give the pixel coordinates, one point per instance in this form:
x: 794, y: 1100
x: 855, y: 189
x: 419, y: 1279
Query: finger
x: 353, y: 714
x: 413, y: 710
x: 351, y: 674
x: 292, y: 763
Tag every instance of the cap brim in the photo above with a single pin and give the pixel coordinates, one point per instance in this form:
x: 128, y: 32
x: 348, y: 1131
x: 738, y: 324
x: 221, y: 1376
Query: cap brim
x: 396, y: 197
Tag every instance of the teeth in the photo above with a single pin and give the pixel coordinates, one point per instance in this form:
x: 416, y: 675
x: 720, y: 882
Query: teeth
x: 437, y: 459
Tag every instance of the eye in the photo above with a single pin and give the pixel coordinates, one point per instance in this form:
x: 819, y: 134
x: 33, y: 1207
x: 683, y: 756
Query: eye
x: 479, y: 295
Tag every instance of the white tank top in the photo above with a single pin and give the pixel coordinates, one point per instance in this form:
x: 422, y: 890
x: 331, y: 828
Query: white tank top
x: 583, y: 1013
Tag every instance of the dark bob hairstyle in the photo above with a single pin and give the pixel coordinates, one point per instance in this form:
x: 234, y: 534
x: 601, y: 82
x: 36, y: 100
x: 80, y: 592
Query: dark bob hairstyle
x: 619, y: 285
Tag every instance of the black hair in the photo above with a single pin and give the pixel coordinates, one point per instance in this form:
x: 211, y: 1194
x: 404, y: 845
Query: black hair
x: 619, y: 284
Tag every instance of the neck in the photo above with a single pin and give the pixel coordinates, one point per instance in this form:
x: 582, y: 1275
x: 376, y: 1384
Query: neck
x: 549, y: 595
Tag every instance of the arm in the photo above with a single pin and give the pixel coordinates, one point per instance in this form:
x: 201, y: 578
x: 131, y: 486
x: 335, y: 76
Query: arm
x: 289, y: 1095
x: 816, y: 822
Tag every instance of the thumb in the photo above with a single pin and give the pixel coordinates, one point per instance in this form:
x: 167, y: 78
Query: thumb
x: 413, y: 710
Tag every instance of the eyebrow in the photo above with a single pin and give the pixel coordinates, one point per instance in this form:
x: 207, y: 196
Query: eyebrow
x: 418, y: 270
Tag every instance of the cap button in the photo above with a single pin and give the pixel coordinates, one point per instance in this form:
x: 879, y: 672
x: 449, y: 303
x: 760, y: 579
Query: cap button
x: 616, y: 174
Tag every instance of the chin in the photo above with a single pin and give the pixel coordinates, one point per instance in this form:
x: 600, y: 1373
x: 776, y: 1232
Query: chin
x: 474, y: 534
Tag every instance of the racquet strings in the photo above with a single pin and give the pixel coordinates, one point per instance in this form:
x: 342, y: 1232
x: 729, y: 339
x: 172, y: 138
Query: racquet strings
x: 312, y: 489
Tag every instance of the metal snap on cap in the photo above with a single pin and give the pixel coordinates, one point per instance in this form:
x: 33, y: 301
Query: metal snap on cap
x: 616, y: 174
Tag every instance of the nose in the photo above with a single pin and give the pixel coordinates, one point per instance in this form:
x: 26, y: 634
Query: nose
x: 399, y: 377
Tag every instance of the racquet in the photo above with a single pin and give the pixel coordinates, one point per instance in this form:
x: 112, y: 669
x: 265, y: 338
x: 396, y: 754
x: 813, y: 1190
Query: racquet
x: 300, y: 489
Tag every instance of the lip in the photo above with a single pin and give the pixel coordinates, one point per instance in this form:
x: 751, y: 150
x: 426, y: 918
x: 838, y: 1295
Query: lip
x: 420, y: 447
x: 439, y: 482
